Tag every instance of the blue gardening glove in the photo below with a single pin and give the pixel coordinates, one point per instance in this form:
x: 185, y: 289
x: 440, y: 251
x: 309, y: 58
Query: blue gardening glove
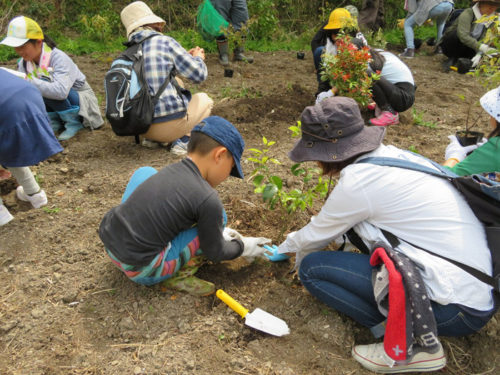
x: 274, y: 256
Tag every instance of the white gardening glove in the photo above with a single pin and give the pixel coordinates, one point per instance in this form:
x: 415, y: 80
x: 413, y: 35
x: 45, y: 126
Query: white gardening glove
x: 456, y: 151
x: 252, y: 246
x: 482, y: 142
x: 475, y: 60
x: 486, y: 49
x: 323, y: 95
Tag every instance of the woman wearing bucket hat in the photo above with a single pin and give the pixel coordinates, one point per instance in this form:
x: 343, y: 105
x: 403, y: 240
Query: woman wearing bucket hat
x: 174, y: 115
x: 464, y: 38
x: 69, y: 100
x: 485, y: 156
x: 340, y: 20
x: 420, y: 209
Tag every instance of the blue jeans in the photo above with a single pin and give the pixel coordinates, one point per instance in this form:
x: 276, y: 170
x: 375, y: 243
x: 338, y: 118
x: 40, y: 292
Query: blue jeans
x: 439, y: 14
x: 53, y: 105
x: 317, y: 61
x: 342, y: 280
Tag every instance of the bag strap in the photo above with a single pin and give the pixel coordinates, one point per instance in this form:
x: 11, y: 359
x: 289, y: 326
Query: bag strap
x: 170, y: 78
x: 406, y: 164
x: 485, y: 278
x: 443, y: 173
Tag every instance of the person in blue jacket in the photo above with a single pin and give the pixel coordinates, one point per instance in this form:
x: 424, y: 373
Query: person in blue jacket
x: 26, y: 139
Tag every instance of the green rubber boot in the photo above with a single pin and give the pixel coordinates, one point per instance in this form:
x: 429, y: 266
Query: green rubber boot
x: 223, y: 47
x: 239, y: 56
x: 185, y: 281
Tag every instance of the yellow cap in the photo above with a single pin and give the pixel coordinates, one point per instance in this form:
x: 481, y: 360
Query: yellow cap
x: 339, y: 19
x: 21, y: 29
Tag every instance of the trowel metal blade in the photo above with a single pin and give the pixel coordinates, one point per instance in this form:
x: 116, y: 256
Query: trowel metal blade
x: 265, y: 322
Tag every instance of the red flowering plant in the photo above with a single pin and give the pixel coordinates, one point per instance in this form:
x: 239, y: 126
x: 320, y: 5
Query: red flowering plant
x: 347, y: 71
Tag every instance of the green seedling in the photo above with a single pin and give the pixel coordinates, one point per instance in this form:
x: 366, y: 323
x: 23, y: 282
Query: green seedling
x: 412, y: 148
x: 308, y: 187
x: 54, y: 210
x: 418, y: 119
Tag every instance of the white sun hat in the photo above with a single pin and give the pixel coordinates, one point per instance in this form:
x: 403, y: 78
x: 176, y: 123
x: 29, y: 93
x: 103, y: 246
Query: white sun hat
x: 21, y: 29
x: 491, y: 103
x: 138, y: 14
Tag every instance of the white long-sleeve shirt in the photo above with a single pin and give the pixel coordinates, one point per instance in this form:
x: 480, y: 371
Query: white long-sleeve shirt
x: 419, y: 208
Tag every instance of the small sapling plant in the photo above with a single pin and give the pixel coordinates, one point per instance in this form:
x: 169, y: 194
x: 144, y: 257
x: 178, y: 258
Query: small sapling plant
x: 309, y: 185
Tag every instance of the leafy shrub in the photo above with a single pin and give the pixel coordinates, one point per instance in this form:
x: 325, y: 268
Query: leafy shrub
x: 347, y: 71
x: 275, y: 193
x: 264, y: 21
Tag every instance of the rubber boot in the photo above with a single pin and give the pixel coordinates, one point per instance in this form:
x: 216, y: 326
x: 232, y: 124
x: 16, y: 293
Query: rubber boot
x: 223, y: 46
x: 239, y: 56
x: 55, y: 122
x: 185, y: 281
x: 71, y: 121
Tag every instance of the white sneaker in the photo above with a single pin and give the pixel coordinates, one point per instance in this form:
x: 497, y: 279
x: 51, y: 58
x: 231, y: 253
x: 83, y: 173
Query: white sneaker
x: 374, y: 358
x: 37, y: 200
x: 5, y: 215
x: 149, y: 143
x: 179, y: 146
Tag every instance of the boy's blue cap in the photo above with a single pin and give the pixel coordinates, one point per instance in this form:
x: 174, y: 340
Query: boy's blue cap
x: 227, y: 135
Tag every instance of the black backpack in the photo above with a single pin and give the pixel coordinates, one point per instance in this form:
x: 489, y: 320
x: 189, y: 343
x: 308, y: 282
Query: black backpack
x: 483, y: 197
x: 129, y: 103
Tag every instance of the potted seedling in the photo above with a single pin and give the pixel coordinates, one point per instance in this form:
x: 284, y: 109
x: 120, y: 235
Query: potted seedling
x: 469, y: 137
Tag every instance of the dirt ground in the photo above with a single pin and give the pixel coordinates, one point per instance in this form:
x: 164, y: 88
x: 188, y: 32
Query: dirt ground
x: 65, y: 308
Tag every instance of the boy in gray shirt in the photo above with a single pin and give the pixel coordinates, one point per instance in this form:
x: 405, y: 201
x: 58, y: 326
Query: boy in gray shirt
x: 168, y: 217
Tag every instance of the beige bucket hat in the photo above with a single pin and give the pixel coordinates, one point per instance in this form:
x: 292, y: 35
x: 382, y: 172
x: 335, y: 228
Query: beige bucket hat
x: 138, y: 14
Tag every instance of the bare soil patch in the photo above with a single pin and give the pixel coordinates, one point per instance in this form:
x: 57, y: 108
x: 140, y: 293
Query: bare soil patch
x: 65, y: 309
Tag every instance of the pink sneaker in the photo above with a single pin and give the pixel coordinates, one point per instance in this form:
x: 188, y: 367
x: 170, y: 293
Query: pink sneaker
x: 386, y: 118
x: 371, y: 106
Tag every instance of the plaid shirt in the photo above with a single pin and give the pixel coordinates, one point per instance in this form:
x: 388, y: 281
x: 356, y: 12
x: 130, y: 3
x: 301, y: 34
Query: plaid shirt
x: 161, y: 55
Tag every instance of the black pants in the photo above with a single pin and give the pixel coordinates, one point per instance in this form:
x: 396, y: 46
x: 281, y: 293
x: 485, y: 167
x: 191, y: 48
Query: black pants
x: 454, y: 48
x: 399, y: 96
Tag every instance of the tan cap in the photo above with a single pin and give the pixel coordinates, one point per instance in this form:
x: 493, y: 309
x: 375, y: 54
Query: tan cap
x: 138, y: 14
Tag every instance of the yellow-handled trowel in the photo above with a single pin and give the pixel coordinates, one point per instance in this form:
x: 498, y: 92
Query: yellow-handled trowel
x: 258, y: 319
